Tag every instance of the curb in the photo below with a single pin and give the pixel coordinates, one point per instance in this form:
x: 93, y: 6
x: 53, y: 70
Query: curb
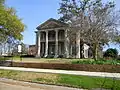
x: 84, y: 73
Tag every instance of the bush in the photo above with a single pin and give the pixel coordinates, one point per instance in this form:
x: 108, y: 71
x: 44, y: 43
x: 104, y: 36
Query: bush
x: 118, y: 58
x: 111, y: 53
x: 27, y: 56
x: 50, y: 56
x: 99, y: 62
x: 60, y: 56
x: 79, y: 67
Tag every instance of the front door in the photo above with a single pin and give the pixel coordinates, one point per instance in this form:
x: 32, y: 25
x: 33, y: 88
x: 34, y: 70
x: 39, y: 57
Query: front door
x: 52, y: 49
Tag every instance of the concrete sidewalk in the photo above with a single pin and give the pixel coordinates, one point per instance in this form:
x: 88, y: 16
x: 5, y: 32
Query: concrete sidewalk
x: 84, y: 73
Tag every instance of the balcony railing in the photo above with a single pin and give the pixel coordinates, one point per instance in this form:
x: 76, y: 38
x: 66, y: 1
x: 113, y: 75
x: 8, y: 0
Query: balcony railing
x: 51, y: 39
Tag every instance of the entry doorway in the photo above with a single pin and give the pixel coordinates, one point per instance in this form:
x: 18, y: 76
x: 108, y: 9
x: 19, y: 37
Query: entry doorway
x: 51, y: 48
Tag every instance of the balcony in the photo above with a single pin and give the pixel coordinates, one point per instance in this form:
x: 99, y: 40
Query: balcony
x: 42, y: 40
x: 51, y: 38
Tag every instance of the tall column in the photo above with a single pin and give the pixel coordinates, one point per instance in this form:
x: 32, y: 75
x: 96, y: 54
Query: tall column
x: 66, y: 44
x: 46, y: 45
x: 78, y: 45
x: 86, y: 47
x: 42, y: 49
x: 56, y: 43
x: 38, y: 44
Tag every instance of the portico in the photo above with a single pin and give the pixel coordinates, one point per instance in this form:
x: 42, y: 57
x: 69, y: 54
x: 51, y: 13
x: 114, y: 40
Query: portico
x: 52, y: 40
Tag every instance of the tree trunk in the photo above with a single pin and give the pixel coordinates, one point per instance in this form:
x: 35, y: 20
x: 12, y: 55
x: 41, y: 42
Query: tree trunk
x: 78, y: 45
x: 8, y: 49
x: 95, y: 52
x: 0, y: 50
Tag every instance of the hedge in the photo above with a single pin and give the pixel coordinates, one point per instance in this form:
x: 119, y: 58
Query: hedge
x: 78, y: 67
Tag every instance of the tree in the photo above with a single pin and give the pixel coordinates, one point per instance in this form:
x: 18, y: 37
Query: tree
x: 111, y: 53
x: 117, y: 39
x: 103, y: 25
x: 93, y: 21
x: 24, y: 49
x: 74, y: 14
x: 11, y: 26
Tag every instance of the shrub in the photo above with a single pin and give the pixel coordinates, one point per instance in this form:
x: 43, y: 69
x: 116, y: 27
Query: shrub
x: 111, y: 53
x: 79, y: 67
x: 60, y: 56
x: 118, y: 58
x: 27, y: 56
x: 100, y: 62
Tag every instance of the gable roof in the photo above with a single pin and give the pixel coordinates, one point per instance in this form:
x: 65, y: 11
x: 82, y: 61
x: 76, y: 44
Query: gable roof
x: 51, y: 23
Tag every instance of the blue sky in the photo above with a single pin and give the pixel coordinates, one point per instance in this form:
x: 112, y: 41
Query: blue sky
x: 35, y: 12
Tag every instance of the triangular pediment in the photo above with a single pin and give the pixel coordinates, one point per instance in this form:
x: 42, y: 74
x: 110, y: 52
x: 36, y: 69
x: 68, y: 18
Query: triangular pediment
x: 51, y: 23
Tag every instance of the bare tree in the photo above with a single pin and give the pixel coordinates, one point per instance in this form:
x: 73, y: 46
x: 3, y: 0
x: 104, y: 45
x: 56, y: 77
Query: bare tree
x: 91, y: 21
x: 103, y: 23
x: 75, y: 16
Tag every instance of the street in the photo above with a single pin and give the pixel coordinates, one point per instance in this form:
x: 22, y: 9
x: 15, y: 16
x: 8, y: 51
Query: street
x: 5, y: 86
x: 9, y: 84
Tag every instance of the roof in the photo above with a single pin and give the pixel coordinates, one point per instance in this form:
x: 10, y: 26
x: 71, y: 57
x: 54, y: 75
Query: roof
x: 51, y: 23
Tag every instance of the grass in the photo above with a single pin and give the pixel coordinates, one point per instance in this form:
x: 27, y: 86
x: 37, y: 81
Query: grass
x: 4, y: 58
x: 47, y: 60
x: 89, y: 82
x: 67, y: 61
x: 85, y: 82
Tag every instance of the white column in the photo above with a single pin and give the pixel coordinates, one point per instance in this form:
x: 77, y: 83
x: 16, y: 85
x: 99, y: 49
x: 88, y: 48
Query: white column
x: 71, y: 50
x: 86, y: 47
x: 46, y: 45
x: 59, y: 49
x: 38, y: 44
x: 56, y: 43
x: 42, y: 49
x: 66, y: 44
x: 78, y: 45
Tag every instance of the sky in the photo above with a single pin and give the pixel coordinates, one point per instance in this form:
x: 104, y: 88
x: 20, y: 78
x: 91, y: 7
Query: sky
x: 35, y: 12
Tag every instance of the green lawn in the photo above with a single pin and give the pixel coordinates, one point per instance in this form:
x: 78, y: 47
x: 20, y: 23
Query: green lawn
x: 89, y: 82
x: 85, y: 82
x: 47, y: 60
x: 2, y: 58
x: 64, y: 60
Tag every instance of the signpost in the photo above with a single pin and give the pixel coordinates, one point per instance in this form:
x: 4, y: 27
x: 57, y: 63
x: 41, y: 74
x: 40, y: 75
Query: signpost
x: 20, y: 51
